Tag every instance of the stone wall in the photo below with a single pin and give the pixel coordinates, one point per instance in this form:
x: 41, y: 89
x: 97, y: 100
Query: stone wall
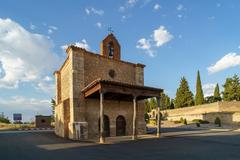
x: 100, y: 66
x: 228, y: 112
x: 113, y: 109
x: 64, y: 81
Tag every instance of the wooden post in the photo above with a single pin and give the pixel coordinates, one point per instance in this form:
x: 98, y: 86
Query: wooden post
x: 134, y: 136
x: 158, y: 117
x: 102, y: 138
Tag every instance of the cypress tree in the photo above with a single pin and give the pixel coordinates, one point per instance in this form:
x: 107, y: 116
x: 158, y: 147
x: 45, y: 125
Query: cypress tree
x: 184, y: 96
x: 163, y: 101
x: 199, y: 98
x: 168, y: 102
x: 172, y: 104
x: 216, y: 95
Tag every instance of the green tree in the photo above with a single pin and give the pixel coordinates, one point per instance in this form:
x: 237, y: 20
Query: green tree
x: 153, y: 103
x: 147, y: 107
x: 53, y: 105
x: 216, y: 95
x: 199, y: 97
x: 4, y: 120
x: 171, y: 104
x: 232, y: 89
x: 184, y: 96
x: 210, y: 99
x: 168, y: 102
x: 164, y: 101
x: 150, y: 104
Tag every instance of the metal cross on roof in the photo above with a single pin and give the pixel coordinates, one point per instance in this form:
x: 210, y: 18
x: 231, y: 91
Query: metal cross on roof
x: 110, y: 30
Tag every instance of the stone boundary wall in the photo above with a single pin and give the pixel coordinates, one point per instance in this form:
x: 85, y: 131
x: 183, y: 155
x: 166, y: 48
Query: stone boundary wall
x: 228, y: 112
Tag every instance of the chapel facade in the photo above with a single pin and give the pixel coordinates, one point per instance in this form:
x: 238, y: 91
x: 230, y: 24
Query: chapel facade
x: 100, y: 95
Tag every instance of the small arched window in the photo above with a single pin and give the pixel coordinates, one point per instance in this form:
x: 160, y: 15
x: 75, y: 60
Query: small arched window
x: 110, y: 49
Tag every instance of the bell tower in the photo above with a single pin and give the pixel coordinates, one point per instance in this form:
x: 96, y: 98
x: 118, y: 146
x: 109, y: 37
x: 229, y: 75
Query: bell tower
x: 110, y: 47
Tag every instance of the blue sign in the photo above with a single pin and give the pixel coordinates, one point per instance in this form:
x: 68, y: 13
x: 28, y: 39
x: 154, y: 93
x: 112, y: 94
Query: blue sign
x: 17, y: 116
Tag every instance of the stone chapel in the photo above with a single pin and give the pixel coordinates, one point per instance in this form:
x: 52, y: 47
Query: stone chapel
x: 100, y: 95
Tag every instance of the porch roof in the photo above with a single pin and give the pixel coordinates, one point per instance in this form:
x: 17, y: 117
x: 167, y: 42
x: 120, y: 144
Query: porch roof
x: 119, y: 91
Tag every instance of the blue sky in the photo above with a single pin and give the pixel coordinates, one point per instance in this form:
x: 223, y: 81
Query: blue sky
x: 173, y: 39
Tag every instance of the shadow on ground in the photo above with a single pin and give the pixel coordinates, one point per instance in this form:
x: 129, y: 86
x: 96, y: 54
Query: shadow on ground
x: 187, y: 145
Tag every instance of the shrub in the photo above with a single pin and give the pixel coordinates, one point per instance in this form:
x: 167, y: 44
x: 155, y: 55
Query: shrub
x: 152, y: 121
x: 181, y: 120
x: 185, y: 122
x: 146, y: 117
x: 176, y: 122
x: 204, y: 122
x: 200, y: 121
x: 218, y: 121
x: 196, y: 120
x: 4, y: 120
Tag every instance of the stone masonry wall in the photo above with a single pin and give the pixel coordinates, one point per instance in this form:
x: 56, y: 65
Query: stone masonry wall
x: 228, y: 112
x: 98, y: 67
x: 113, y: 109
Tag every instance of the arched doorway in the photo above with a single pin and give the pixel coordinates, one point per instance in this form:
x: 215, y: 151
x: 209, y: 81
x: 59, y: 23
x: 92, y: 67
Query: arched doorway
x: 120, y: 126
x: 106, y: 126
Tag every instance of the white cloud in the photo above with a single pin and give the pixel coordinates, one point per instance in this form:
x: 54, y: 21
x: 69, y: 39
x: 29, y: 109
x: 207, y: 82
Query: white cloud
x: 156, y: 7
x: 51, y: 29
x: 82, y: 44
x: 46, y: 87
x: 132, y: 2
x: 92, y: 10
x: 99, y: 24
x: 208, y: 89
x: 179, y: 7
x: 29, y: 107
x: 145, y: 45
x: 22, y: 54
x: 125, y: 17
x: 161, y: 36
x: 228, y: 61
x: 180, y: 16
x: 121, y: 9
x: 32, y: 27
x: 47, y: 78
x: 128, y: 4
x: 87, y: 11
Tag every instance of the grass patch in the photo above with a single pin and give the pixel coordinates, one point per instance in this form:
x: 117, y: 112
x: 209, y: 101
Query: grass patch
x: 4, y: 126
x: 200, y: 121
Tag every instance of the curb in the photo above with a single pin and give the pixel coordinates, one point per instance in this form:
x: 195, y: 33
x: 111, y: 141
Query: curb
x: 34, y: 129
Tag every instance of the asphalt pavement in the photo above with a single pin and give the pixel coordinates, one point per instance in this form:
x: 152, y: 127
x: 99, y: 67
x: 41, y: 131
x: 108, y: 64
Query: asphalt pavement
x: 174, y: 145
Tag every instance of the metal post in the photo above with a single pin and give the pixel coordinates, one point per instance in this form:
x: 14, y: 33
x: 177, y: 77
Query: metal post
x: 158, y: 117
x: 134, y: 136
x: 102, y: 138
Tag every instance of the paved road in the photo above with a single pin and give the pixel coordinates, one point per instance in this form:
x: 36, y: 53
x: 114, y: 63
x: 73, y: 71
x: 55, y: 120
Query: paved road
x: 192, y: 145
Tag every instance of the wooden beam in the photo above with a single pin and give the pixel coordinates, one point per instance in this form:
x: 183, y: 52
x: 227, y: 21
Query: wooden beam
x: 129, y: 91
x: 101, y: 114
x: 92, y: 90
x: 158, y: 117
x: 134, y: 136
